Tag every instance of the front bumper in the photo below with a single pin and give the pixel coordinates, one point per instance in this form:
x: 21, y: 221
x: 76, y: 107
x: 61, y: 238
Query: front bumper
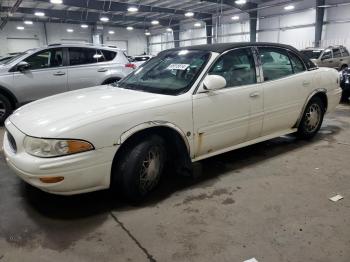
x: 83, y: 172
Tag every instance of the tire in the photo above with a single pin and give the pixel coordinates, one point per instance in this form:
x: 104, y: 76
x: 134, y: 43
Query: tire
x: 312, y: 119
x: 110, y: 81
x: 145, y: 159
x: 5, y: 108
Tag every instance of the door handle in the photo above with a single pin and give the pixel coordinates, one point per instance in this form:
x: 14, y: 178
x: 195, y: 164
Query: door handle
x: 306, y: 83
x: 102, y: 70
x: 59, y: 73
x: 330, y: 61
x: 254, y: 94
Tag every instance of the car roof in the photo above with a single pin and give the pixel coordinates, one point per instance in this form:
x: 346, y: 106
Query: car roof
x: 222, y: 47
x: 88, y: 45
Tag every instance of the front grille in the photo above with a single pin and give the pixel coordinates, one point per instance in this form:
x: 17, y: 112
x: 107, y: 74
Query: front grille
x: 12, y: 142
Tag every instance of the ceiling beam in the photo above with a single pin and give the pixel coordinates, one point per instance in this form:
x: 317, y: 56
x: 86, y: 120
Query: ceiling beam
x: 88, y: 17
x: 247, y: 6
x: 123, y: 7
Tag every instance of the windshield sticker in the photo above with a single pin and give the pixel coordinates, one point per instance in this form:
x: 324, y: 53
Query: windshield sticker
x: 178, y: 66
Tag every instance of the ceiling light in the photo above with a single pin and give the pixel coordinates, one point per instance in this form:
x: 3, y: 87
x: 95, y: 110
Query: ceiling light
x: 84, y: 26
x: 70, y: 30
x: 20, y: 28
x: 189, y: 14
x: 240, y: 2
x: 147, y: 33
x: 28, y: 22
x: 58, y: 2
x: 155, y: 22
x: 133, y: 9
x: 235, y: 17
x: 129, y: 28
x: 104, y: 19
x: 111, y: 32
x: 169, y: 29
x: 197, y: 24
x: 39, y: 13
x: 289, y: 7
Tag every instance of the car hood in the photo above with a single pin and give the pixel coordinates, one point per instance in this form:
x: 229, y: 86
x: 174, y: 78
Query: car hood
x: 54, y: 115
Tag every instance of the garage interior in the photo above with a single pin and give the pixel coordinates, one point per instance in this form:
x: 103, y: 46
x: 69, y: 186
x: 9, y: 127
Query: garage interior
x: 266, y: 202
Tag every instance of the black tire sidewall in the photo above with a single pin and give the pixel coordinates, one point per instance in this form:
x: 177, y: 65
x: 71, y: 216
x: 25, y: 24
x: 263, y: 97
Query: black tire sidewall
x: 301, y: 129
x: 7, y: 107
x: 128, y: 170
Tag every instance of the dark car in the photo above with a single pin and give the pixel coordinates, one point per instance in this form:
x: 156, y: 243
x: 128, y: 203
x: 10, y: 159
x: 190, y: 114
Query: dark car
x: 345, y: 83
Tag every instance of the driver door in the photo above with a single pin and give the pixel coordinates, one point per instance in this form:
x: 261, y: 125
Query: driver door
x: 232, y: 115
x: 327, y: 59
x: 46, y: 76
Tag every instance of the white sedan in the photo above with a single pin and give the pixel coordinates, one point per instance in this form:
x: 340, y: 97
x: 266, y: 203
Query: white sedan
x: 182, y: 106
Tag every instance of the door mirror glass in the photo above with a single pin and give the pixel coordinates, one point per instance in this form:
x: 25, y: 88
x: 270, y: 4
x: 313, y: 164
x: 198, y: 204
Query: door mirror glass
x: 214, y: 82
x: 23, y: 66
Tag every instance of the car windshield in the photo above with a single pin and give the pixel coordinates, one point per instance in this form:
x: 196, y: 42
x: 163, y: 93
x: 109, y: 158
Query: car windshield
x: 170, y: 73
x: 13, y: 58
x: 311, y: 54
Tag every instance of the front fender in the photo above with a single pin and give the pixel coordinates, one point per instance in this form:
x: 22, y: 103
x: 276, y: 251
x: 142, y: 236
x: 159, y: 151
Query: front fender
x: 127, y: 134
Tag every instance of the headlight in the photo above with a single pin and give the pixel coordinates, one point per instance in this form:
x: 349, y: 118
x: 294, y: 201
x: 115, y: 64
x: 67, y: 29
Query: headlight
x: 41, y: 147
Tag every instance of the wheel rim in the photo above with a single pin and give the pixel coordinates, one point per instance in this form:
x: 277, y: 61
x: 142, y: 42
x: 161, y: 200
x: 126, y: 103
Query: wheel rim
x: 313, y: 118
x: 150, y: 170
x: 2, y: 109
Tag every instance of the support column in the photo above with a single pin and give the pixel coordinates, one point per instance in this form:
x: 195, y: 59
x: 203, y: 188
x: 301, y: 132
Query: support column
x: 319, y: 22
x: 209, y: 30
x: 176, y: 34
x: 253, y: 19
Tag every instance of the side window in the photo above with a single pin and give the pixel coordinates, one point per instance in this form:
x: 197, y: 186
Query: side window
x: 108, y: 55
x: 297, y: 64
x: 345, y: 52
x: 237, y: 67
x: 336, y: 52
x: 46, y: 59
x: 82, y: 56
x: 275, y: 63
x: 327, y: 54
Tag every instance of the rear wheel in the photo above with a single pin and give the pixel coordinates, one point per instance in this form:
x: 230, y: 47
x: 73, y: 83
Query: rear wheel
x: 312, y: 119
x: 110, y: 81
x: 140, y: 168
x: 5, y: 108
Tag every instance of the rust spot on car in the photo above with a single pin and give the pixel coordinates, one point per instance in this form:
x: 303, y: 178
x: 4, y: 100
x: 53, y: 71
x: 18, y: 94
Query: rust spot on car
x: 200, y: 141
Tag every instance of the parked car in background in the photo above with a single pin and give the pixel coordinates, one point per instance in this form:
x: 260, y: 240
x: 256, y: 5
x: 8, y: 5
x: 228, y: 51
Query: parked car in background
x: 57, y: 68
x: 7, y: 57
x: 334, y: 56
x: 141, y: 59
x: 345, y: 84
x: 186, y: 104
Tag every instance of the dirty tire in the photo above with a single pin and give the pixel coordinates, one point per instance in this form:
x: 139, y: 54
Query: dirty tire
x: 312, y: 119
x: 5, y: 108
x: 140, y: 168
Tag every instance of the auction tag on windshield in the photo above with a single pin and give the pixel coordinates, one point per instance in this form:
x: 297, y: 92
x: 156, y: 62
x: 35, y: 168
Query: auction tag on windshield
x: 178, y: 66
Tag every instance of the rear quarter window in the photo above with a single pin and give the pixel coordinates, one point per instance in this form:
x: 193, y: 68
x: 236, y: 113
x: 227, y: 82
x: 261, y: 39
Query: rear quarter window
x: 108, y: 55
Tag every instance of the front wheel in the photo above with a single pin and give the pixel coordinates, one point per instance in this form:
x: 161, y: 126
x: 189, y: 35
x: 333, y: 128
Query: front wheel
x: 140, y: 168
x: 5, y: 108
x: 312, y: 118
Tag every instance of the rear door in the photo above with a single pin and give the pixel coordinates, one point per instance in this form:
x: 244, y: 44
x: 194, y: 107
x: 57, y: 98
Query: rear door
x: 337, y: 57
x: 285, y: 88
x: 84, y: 68
x: 46, y: 76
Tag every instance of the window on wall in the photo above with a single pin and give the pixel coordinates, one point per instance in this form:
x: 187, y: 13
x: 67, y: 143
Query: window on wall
x: 237, y: 67
x: 46, y: 59
x: 275, y: 63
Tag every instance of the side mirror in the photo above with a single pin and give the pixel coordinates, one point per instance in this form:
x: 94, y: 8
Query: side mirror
x: 23, y: 66
x: 214, y: 82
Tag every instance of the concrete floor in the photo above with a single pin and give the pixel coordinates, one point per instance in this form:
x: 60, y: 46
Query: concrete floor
x: 268, y: 201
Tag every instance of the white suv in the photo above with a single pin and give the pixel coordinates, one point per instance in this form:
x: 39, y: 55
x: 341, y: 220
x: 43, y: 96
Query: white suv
x: 58, y: 68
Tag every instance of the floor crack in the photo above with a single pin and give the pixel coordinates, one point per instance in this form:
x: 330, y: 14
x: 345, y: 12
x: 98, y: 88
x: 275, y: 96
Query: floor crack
x: 149, y: 256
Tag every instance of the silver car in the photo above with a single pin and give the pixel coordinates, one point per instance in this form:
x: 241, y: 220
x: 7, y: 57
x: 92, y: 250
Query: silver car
x: 58, y: 68
x: 333, y: 56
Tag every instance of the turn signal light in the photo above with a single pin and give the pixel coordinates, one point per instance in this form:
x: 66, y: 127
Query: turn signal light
x: 51, y: 180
